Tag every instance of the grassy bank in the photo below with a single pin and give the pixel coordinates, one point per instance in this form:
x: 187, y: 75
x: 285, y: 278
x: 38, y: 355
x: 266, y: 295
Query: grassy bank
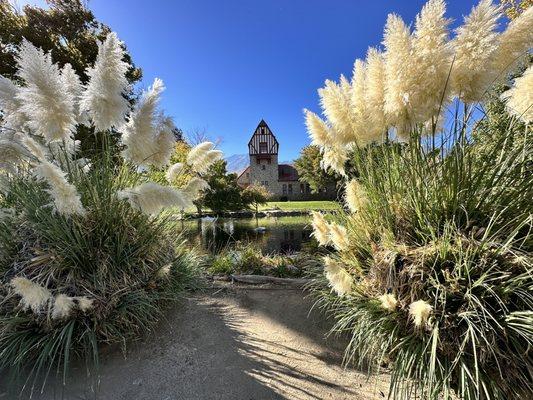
x: 301, y: 205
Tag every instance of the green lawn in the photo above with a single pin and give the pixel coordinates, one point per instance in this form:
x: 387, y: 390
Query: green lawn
x: 301, y: 205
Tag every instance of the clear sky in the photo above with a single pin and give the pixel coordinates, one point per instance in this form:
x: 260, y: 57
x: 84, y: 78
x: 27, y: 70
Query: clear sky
x: 229, y: 63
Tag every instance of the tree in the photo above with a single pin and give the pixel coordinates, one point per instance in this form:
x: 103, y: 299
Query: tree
x: 67, y: 29
x: 310, y: 170
x: 70, y: 32
x: 224, y: 194
x: 255, y: 195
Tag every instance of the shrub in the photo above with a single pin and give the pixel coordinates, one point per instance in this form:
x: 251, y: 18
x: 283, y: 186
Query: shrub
x: 115, y: 267
x: 86, y: 258
x: 432, y: 267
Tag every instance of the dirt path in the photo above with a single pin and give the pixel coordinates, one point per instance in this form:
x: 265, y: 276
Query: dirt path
x: 249, y: 344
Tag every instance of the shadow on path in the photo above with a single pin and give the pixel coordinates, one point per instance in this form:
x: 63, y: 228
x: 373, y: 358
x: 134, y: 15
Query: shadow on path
x: 237, y: 344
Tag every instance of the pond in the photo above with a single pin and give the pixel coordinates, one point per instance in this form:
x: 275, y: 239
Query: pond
x: 272, y: 235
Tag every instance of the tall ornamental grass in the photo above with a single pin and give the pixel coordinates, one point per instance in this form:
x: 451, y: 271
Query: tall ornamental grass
x: 85, y: 257
x: 430, y: 270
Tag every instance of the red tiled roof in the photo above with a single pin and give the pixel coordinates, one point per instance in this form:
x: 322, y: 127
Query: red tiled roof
x: 287, y: 173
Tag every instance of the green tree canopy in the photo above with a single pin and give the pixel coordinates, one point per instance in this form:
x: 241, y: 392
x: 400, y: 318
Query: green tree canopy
x: 254, y: 196
x: 224, y: 194
x: 68, y: 29
x: 310, y: 170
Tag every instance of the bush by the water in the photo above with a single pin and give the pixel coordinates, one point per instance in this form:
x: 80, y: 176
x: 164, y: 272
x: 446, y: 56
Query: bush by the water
x: 431, y: 265
x: 248, y: 259
x: 85, y: 257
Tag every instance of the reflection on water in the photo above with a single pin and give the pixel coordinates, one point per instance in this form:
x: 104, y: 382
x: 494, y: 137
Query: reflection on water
x: 272, y: 235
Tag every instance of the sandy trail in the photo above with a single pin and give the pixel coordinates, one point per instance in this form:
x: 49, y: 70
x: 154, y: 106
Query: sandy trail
x: 233, y: 343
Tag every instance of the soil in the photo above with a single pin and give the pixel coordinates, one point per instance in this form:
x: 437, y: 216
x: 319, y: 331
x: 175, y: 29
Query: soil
x: 228, y: 342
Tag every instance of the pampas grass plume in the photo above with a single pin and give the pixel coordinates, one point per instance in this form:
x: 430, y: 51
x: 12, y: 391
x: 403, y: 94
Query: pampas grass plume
x: 473, y: 48
x: 194, y: 187
x: 320, y: 228
x: 32, y: 294
x: 63, y: 306
x: 66, y: 200
x: 388, y: 302
x: 150, y: 198
x: 103, y: 98
x: 339, y: 279
x: 520, y: 97
x: 339, y: 236
x: 85, y: 303
x: 317, y: 129
x: 174, y: 171
x: 44, y: 99
x: 515, y: 42
x: 420, y: 312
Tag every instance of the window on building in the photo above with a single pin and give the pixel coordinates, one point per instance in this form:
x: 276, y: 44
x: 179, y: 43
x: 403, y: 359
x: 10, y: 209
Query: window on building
x: 302, y: 188
x: 247, y: 174
x: 263, y: 147
x: 263, y: 167
x: 307, y: 188
x: 290, y: 188
x: 284, y: 188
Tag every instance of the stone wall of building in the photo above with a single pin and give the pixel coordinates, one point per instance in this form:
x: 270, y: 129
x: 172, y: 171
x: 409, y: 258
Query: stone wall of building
x: 265, y: 173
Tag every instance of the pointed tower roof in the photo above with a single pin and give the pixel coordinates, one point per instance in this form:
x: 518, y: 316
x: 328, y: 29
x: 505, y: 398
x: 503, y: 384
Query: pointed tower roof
x: 263, y: 141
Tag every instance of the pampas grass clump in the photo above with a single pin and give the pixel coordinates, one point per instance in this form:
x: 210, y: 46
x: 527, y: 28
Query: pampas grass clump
x: 432, y: 262
x: 83, y: 244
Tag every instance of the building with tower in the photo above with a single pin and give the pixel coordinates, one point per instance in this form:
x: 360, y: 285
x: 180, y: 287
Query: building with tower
x: 264, y: 169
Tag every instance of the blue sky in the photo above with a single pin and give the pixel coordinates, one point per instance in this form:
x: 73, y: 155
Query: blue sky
x: 227, y: 64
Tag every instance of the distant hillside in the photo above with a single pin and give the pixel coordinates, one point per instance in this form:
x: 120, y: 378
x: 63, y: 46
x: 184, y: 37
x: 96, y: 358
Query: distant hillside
x: 238, y: 162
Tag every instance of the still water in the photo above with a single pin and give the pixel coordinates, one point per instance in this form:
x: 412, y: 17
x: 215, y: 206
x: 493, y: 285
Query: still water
x: 272, y: 235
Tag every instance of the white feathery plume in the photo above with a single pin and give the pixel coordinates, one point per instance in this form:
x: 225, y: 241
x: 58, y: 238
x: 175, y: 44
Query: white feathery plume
x: 473, y: 48
x: 420, y: 312
x: 33, y: 295
x: 12, y: 153
x: 73, y: 85
x: 66, y: 200
x: 165, y: 142
x: 359, y: 105
x: 103, y: 98
x: 198, y: 152
x: 339, y: 279
x: 150, y: 198
x: 399, y: 77
x: 354, y: 195
x: 375, y: 94
x: 44, y: 99
x: 138, y: 134
x: 318, y: 130
x: 63, y: 306
x: 519, y: 98
x: 430, y: 61
x: 194, y: 187
x: 10, y: 105
x: 320, y: 228
x: 334, y: 158
x: 35, y: 148
x: 202, y: 165
x: 174, y: 171
x: 514, y: 43
x: 388, y: 302
x: 339, y: 236
x: 335, y: 100
x: 84, y: 303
